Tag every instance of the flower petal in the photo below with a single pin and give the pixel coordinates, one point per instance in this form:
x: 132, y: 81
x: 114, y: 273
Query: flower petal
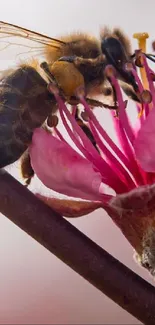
x: 134, y: 214
x: 144, y: 144
x: 70, y: 208
x: 62, y: 169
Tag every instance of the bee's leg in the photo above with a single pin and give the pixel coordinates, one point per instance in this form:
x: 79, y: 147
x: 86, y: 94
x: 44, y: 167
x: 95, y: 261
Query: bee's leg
x: 95, y: 103
x: 114, y: 96
x: 26, y: 168
x: 79, y: 61
x: 92, y: 102
x: 85, y: 64
x: 86, y: 130
x: 130, y: 92
x: 89, y: 134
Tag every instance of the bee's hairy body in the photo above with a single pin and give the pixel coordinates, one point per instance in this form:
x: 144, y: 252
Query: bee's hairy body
x: 25, y: 102
x: 24, y: 106
x: 82, y: 46
x: 88, y: 47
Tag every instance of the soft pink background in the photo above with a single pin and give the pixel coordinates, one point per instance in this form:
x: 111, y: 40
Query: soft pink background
x: 35, y: 287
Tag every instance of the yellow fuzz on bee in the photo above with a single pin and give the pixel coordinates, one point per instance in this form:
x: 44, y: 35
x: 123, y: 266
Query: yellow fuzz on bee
x: 68, y: 77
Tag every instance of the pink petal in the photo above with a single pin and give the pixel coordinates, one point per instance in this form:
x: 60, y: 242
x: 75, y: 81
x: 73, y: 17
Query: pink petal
x: 134, y: 214
x: 62, y: 169
x: 145, y: 143
x: 70, y: 208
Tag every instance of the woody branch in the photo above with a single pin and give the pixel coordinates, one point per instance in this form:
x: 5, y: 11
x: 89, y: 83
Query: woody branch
x: 76, y: 250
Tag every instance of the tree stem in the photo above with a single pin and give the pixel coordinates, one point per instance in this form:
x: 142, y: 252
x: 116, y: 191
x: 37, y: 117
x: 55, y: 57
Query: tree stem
x: 114, y: 279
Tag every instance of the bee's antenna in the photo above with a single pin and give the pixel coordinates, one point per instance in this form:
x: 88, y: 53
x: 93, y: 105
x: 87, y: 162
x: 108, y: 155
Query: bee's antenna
x: 133, y: 55
x: 150, y: 57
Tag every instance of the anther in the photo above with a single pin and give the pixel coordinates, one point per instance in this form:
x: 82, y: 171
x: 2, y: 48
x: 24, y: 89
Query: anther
x: 146, y: 97
x: 110, y: 71
x: 152, y: 75
x: 85, y: 116
x: 138, y: 59
x: 52, y: 121
x: 138, y: 62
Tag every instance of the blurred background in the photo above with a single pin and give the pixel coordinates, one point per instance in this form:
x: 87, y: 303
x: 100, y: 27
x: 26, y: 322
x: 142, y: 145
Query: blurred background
x: 35, y: 287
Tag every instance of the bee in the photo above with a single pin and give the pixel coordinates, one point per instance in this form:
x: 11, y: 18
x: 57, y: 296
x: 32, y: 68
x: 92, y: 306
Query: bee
x: 70, y: 62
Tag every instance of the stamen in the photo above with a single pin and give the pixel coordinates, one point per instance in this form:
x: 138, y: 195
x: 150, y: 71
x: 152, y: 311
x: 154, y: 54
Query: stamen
x: 85, y: 116
x: 112, y: 178
x: 145, y: 107
x: 74, y: 109
x: 86, y: 129
x: 106, y: 137
x: 102, y: 166
x: 138, y: 175
x: 110, y: 71
x: 59, y: 135
x: 115, y: 164
x: 138, y: 62
x: 150, y: 82
x: 52, y: 121
x: 122, y: 113
x: 152, y: 75
x: 146, y: 97
x: 129, y: 67
x: 141, y: 38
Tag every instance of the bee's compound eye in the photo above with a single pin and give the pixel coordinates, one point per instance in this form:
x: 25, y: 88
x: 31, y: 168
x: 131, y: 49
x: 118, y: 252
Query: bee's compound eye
x: 113, y: 50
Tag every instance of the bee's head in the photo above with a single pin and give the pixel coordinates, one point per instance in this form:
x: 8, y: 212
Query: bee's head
x: 114, y: 51
x: 116, y: 55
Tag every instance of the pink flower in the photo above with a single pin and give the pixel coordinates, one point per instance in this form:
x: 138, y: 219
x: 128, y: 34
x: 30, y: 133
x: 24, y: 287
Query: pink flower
x: 64, y: 170
x: 124, y: 168
x: 144, y: 143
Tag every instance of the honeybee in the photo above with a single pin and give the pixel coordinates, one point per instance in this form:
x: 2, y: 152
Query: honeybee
x: 70, y: 62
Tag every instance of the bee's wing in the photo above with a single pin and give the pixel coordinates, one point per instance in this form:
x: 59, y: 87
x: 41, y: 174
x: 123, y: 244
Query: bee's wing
x: 16, y: 31
x: 16, y: 41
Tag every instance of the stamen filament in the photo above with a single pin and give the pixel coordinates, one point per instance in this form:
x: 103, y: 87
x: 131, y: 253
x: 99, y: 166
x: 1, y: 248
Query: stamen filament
x: 59, y: 135
x: 105, y: 136
x: 151, y: 85
x: 122, y: 112
x: 145, y: 107
x: 74, y: 110
x: 88, y: 149
x: 115, y: 164
x: 139, y: 177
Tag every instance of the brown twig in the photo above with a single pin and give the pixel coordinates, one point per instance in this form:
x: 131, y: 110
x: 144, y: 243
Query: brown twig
x: 93, y: 263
